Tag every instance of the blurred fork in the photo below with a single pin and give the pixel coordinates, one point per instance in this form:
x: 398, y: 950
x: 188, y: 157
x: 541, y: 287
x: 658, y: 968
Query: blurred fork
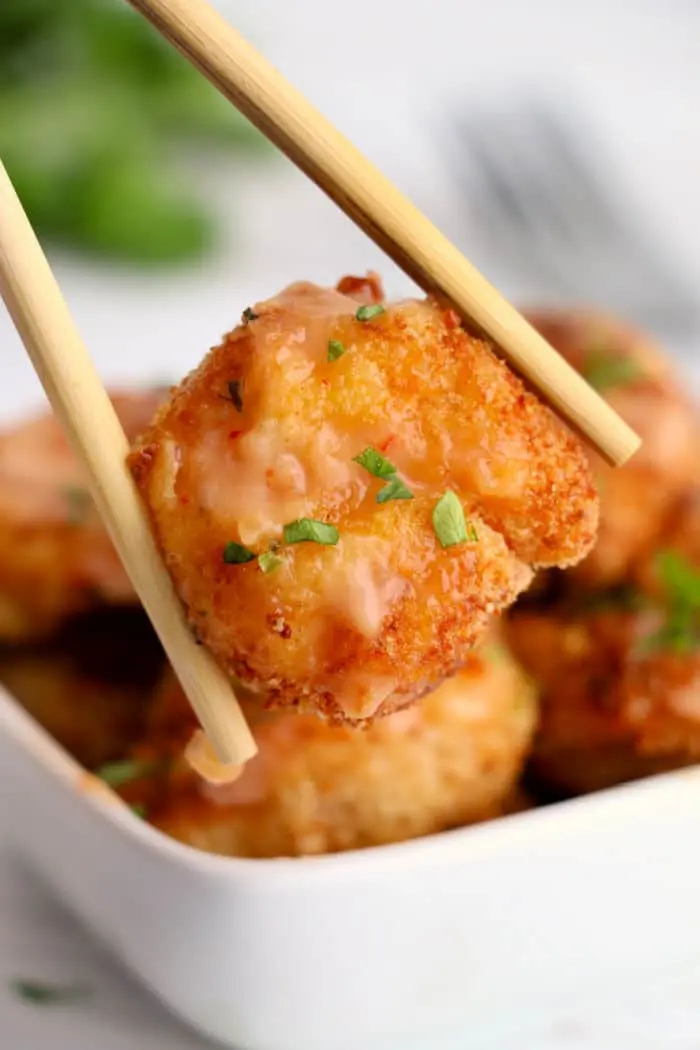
x: 541, y: 198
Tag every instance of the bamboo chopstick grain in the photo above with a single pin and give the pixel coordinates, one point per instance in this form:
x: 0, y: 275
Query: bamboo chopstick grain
x: 256, y: 88
x: 81, y: 403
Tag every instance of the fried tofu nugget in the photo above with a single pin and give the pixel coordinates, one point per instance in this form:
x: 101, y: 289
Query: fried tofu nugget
x: 313, y: 788
x: 57, y: 559
x: 619, y: 668
x: 346, y: 494
x: 637, y: 380
x: 610, y: 711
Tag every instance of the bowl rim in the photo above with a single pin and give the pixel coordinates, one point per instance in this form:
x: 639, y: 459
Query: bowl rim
x: 474, y: 842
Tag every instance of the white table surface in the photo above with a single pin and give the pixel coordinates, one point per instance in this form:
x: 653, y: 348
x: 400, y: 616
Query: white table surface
x: 38, y: 940
x: 640, y: 81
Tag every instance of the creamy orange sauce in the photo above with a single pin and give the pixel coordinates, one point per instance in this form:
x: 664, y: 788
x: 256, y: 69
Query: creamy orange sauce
x: 364, y: 588
x: 361, y: 694
x: 261, y: 478
x: 36, y: 468
x: 267, y: 431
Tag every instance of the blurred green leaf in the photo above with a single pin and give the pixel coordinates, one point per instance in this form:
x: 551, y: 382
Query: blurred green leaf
x: 22, y: 20
x: 94, y: 106
x: 194, y: 108
x: 125, y: 207
x: 117, y: 39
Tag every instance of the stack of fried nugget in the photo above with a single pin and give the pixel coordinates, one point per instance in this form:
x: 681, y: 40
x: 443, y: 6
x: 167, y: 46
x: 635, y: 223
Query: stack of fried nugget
x: 77, y: 650
x: 613, y: 645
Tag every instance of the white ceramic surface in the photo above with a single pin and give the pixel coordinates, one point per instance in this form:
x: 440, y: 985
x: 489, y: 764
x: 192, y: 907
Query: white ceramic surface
x: 483, y: 931
x: 390, y: 74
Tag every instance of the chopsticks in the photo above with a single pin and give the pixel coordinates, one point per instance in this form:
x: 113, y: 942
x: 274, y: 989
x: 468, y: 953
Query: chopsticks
x: 80, y: 401
x: 376, y: 206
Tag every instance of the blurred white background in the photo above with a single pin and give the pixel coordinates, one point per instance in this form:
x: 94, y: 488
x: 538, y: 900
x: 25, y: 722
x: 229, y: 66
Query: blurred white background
x: 394, y: 76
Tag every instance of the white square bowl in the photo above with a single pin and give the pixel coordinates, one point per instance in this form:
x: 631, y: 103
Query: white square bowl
x: 433, y: 944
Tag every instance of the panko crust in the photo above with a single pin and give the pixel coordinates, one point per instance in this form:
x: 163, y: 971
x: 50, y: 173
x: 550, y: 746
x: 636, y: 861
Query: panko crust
x: 265, y: 431
x: 57, y: 559
x: 314, y: 788
x: 637, y: 380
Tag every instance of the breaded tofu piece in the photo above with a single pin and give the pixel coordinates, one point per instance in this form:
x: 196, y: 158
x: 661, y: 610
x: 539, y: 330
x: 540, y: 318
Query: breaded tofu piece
x: 313, y: 788
x: 56, y: 559
x: 345, y: 492
x: 637, y: 380
x: 619, y: 690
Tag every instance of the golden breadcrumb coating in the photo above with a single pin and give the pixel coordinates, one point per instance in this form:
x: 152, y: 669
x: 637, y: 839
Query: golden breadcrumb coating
x: 314, y: 788
x: 265, y: 432
x: 634, y: 377
x: 57, y: 559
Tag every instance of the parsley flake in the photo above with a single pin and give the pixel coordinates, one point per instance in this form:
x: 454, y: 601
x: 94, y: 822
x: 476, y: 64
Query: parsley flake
x: 380, y: 467
x: 237, y: 554
x: 603, y: 371
x: 679, y: 577
x: 680, y: 631
x: 306, y: 530
x: 395, y: 489
x: 249, y: 315
x: 368, y: 311
x: 269, y: 561
x: 678, y: 634
x: 117, y: 774
x: 449, y: 522
x: 43, y: 994
x: 375, y: 463
x: 335, y: 349
x: 139, y: 810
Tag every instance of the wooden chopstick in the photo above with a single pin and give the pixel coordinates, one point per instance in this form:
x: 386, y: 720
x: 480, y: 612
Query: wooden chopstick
x: 374, y: 204
x: 80, y: 401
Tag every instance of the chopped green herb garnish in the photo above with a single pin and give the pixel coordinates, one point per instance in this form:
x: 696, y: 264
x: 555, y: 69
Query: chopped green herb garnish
x: 79, y: 501
x: 234, y: 389
x: 680, y: 632
x: 269, y: 561
x: 237, y: 554
x: 139, y: 809
x: 118, y: 773
x: 306, y: 530
x: 42, y: 994
x: 375, y: 463
x: 367, y: 312
x: 449, y: 522
x: 395, y: 489
x: 249, y: 315
x: 677, y: 634
x: 335, y: 349
x: 603, y: 370
x: 380, y: 467
x: 679, y: 577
